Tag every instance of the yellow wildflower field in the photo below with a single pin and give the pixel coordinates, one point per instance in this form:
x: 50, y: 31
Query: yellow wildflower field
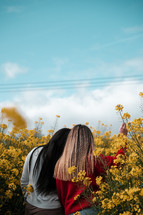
x: 121, y: 192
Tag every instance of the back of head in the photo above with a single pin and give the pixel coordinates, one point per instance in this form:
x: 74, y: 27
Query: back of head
x: 49, y: 155
x: 57, y: 143
x: 77, y: 152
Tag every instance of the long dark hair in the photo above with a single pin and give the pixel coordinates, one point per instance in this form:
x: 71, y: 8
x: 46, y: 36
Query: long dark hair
x: 49, y: 155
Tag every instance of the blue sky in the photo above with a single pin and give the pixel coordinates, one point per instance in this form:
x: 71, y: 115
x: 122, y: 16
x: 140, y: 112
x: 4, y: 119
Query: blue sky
x: 52, y: 40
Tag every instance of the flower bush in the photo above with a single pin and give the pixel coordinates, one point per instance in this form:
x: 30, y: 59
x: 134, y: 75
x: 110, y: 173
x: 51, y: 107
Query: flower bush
x: 120, y: 193
x: 14, y: 147
x: 122, y: 190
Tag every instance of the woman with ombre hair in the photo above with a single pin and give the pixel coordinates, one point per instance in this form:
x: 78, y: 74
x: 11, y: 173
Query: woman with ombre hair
x: 78, y: 153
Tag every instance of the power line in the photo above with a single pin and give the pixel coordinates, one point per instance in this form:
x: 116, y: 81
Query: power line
x: 55, y: 87
x: 68, y: 86
x: 117, y: 78
x: 64, y: 85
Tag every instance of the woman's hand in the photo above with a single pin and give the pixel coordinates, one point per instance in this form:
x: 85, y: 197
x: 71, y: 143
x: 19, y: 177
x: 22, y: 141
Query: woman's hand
x: 123, y: 129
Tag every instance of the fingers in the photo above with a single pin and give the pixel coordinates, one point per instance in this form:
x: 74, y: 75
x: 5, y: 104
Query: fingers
x: 123, y: 125
x: 123, y: 129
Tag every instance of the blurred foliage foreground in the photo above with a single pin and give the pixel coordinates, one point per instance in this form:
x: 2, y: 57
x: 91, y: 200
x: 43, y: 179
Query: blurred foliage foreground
x: 121, y: 191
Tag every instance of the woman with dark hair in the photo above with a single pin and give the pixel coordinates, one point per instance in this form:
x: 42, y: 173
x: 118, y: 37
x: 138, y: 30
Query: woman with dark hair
x: 38, y: 173
x: 78, y: 152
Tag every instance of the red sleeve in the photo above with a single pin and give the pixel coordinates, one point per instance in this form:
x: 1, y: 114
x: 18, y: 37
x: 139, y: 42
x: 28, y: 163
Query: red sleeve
x: 67, y: 190
x: 102, y: 163
x: 60, y: 191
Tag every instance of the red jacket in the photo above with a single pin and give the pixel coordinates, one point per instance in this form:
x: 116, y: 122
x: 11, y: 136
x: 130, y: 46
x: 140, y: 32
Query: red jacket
x: 67, y: 190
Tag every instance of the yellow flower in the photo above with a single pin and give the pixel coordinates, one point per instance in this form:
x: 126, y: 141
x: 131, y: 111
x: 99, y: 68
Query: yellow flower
x: 4, y: 126
x: 73, y: 124
x: 74, y: 179
x: 98, y: 180
x: 71, y: 169
x: 120, y: 159
x: 107, y: 133
x: 126, y: 116
x: 87, y: 181
x: 29, y: 189
x: 81, y: 175
x: 141, y: 94
x: 87, y: 123
x: 12, y: 186
x: 12, y: 113
x: 23, y: 158
x: 15, y: 171
x: 119, y: 107
x: 76, y: 197
x: 41, y: 118
x: 98, y: 151
x: 9, y: 194
x: 77, y: 213
x: 51, y: 131
x: 58, y: 116
x: 98, y: 132
x: 141, y: 193
x: 126, y: 213
x: 136, y: 171
x: 94, y: 199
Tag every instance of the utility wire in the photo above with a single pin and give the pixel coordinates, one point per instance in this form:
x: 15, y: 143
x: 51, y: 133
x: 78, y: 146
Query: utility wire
x: 65, y: 85
x: 98, y: 79
x: 68, y: 86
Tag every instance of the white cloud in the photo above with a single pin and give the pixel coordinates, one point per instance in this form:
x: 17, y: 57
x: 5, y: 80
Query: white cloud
x: 12, y: 69
x: 59, y: 62
x: 116, y: 42
x: 80, y: 107
x: 86, y: 105
x: 130, y: 67
x: 136, y: 63
x: 132, y: 33
x: 58, y: 65
x: 133, y: 29
x: 13, y: 9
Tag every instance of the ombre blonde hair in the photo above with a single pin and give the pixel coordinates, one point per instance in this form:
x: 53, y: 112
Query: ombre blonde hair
x: 78, y: 152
